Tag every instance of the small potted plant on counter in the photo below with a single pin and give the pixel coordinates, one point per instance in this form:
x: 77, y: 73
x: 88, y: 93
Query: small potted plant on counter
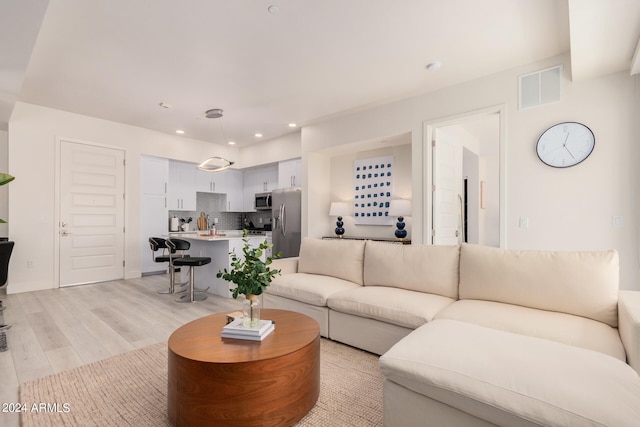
x: 252, y: 275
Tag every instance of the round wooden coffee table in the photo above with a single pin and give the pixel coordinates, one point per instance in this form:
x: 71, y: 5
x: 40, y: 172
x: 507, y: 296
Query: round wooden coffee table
x: 214, y: 381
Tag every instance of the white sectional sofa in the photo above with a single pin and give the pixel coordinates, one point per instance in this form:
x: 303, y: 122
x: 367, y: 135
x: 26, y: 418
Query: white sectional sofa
x: 473, y: 335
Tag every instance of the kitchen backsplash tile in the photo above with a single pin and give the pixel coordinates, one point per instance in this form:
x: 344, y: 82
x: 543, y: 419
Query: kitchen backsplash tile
x: 212, y: 204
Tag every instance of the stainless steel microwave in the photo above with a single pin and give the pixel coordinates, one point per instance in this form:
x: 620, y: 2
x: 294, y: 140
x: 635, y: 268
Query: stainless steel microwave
x: 263, y: 201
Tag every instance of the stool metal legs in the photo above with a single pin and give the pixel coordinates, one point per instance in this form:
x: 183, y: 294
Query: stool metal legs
x: 174, y: 283
x: 193, y: 294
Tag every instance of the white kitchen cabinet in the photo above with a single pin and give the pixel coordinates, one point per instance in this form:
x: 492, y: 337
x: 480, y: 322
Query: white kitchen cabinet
x: 250, y: 189
x: 269, y: 177
x: 290, y: 173
x: 182, y: 186
x: 154, y: 175
x: 212, y: 182
x: 234, y: 191
x: 154, y: 214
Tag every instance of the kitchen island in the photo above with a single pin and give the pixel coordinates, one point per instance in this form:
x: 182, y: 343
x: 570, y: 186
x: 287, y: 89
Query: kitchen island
x: 216, y: 247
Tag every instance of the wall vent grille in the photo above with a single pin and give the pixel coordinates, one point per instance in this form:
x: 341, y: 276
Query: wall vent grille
x: 540, y: 88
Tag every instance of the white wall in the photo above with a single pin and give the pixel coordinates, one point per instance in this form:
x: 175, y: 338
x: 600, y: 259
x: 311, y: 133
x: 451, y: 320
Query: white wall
x: 567, y: 208
x: 275, y: 150
x: 33, y: 133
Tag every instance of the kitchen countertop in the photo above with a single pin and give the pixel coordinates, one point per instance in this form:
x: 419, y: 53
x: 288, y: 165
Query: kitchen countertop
x: 217, y: 237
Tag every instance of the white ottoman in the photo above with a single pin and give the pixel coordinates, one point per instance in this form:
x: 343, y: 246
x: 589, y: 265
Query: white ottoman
x: 459, y: 374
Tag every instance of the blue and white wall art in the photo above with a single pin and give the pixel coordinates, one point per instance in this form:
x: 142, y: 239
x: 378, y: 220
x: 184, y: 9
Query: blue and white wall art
x: 373, y: 184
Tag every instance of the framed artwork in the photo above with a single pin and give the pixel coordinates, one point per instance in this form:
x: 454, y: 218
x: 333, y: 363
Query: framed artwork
x: 373, y: 187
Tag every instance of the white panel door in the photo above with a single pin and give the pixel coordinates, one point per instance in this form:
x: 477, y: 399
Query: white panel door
x: 447, y: 193
x: 91, y: 214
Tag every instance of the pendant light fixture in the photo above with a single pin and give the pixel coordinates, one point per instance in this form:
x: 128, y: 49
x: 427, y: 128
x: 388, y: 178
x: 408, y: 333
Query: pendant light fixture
x: 215, y: 163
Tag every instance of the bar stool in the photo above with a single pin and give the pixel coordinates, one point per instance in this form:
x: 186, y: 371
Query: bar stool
x: 156, y: 244
x: 194, y: 294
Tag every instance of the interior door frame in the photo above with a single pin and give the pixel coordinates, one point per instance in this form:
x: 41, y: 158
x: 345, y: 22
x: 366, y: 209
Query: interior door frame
x: 57, y: 191
x: 428, y: 132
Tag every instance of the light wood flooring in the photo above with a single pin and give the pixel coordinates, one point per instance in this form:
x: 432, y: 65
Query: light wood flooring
x: 60, y: 329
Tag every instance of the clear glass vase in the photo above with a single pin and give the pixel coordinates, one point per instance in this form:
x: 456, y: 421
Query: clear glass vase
x: 251, y: 311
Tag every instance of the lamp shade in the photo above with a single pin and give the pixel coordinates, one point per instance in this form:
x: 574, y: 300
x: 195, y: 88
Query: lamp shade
x: 400, y: 207
x: 339, y: 209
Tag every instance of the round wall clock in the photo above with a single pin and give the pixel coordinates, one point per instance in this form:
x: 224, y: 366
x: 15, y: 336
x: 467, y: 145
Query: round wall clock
x: 565, y: 144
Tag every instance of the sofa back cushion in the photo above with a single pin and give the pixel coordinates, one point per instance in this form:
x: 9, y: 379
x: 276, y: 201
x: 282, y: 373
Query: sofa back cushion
x: 337, y: 258
x: 580, y: 283
x: 422, y: 268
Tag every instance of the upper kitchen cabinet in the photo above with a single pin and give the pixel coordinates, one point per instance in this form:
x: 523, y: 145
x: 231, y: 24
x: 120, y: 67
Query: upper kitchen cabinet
x: 235, y: 194
x: 154, y: 176
x: 267, y: 178
x: 212, y: 182
x: 258, y: 180
x: 182, y: 186
x: 290, y: 173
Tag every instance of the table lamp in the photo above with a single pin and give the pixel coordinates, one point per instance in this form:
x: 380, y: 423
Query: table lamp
x: 339, y: 209
x: 400, y: 208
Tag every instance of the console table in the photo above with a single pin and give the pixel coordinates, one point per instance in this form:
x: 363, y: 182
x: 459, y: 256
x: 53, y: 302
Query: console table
x: 377, y: 239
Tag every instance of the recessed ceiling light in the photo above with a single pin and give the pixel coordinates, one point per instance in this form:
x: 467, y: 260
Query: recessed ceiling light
x: 258, y: 135
x: 292, y: 125
x: 273, y: 9
x: 231, y: 143
x: 180, y: 131
x: 434, y: 66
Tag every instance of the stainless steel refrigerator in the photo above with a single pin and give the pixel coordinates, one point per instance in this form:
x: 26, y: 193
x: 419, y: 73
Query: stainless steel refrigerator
x: 286, y: 206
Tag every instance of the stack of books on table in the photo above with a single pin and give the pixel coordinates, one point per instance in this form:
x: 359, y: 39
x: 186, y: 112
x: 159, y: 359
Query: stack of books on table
x: 237, y: 330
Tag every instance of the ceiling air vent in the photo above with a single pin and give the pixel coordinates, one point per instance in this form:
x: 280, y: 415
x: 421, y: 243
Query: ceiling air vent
x: 541, y: 87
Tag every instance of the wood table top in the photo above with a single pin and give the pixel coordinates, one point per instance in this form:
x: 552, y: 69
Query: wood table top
x: 200, y: 339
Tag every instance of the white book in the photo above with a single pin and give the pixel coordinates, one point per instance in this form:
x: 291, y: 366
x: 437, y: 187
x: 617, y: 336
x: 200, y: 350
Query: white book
x: 237, y: 327
x: 237, y: 336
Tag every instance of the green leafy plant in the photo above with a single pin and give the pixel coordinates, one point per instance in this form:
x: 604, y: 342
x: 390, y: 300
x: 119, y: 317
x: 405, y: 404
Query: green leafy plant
x: 250, y: 274
x: 5, y: 178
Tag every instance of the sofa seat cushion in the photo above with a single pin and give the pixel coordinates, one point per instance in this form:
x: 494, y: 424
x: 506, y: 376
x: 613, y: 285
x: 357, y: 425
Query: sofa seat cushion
x: 512, y: 379
x: 422, y: 268
x: 561, y: 327
x: 580, y: 283
x: 312, y: 289
x: 400, y: 307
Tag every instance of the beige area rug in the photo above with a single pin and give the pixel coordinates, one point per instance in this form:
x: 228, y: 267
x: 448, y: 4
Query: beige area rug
x: 130, y: 389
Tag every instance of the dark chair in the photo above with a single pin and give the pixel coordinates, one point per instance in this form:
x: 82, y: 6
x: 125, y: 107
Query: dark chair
x: 6, y: 247
x: 156, y: 244
x: 193, y: 294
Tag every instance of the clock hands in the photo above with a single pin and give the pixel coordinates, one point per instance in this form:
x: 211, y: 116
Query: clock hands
x: 564, y: 144
x: 570, y: 153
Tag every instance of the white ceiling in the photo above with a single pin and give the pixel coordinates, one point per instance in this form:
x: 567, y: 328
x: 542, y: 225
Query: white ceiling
x: 312, y: 60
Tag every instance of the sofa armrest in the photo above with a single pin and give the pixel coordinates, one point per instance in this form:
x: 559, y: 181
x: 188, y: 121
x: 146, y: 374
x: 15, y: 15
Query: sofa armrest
x: 286, y: 265
x: 629, y: 326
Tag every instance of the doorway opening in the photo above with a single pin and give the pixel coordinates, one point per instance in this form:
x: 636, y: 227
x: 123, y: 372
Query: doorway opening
x: 464, y: 168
